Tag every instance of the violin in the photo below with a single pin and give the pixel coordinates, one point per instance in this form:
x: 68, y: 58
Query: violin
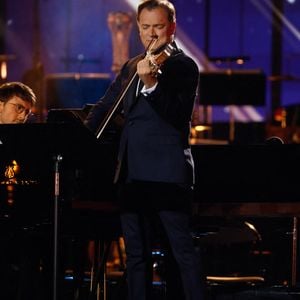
x: 156, y: 59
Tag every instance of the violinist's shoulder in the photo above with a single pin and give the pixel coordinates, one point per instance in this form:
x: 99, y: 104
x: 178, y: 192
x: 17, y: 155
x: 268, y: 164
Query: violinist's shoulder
x: 183, y: 61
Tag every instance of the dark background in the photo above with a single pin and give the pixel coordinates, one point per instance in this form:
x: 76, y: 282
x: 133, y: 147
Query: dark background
x: 63, y: 36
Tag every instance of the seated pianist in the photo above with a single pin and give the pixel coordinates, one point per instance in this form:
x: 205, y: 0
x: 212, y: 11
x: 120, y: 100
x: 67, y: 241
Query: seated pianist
x: 20, y: 252
x: 16, y: 102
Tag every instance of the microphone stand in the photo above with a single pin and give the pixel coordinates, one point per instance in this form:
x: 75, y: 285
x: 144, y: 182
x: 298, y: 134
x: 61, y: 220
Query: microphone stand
x: 57, y: 160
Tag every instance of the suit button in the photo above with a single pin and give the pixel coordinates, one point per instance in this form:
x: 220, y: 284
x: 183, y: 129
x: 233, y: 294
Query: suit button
x: 131, y: 123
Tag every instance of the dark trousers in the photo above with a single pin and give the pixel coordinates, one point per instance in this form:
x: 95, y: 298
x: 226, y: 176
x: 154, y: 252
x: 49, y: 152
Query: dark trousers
x: 142, y: 224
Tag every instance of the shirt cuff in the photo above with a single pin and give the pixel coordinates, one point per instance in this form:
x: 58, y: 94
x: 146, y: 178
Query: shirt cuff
x: 148, y: 91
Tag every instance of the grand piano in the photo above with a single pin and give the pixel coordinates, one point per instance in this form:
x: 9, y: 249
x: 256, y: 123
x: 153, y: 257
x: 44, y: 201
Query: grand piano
x: 45, y: 169
x: 231, y: 180
x: 234, y: 173
x: 257, y: 173
x: 86, y: 170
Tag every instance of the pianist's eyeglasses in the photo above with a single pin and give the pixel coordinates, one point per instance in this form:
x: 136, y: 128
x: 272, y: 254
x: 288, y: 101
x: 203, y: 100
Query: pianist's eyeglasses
x: 20, y: 108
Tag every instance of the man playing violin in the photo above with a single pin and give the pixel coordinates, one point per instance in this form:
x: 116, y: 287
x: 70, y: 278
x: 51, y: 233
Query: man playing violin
x: 155, y: 172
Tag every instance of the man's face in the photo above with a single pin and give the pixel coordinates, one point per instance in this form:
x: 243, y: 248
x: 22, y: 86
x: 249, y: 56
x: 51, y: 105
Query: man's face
x: 155, y: 23
x: 15, y: 110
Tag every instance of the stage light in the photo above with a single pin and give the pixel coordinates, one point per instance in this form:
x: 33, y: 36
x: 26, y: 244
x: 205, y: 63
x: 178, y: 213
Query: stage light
x: 3, y: 70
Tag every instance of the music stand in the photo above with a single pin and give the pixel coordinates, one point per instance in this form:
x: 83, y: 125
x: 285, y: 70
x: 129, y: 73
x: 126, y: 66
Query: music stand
x: 232, y: 88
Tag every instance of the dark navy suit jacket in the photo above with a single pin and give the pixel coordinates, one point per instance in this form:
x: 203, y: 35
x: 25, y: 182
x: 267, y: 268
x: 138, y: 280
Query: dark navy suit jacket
x: 155, y: 136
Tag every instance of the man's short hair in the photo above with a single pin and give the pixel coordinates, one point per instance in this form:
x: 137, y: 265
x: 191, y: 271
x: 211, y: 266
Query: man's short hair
x: 18, y: 89
x: 152, y: 4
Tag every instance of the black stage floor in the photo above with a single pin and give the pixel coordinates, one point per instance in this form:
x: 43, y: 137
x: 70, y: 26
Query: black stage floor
x: 115, y: 291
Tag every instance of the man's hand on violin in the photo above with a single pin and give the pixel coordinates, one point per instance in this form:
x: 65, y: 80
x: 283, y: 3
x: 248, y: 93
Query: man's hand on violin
x: 147, y: 71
